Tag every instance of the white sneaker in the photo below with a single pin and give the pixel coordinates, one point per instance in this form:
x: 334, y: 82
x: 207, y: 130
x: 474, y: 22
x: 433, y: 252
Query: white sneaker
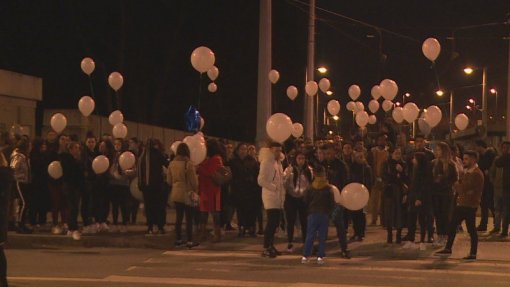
x: 408, y: 245
x: 423, y: 247
x: 320, y: 260
x: 76, y: 235
x: 104, y: 227
x: 56, y: 230
x: 305, y: 260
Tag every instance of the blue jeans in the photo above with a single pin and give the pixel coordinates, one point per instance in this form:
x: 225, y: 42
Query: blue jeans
x: 316, y: 223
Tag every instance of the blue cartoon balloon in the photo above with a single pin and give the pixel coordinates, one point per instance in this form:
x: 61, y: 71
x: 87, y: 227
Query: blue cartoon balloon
x: 192, y: 117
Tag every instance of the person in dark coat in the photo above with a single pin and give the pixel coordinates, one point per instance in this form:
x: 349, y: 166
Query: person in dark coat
x: 360, y: 171
x: 40, y: 193
x: 486, y: 158
x: 6, y: 181
x: 419, y: 200
x: 395, y: 178
x: 150, y: 182
x: 245, y: 189
x: 73, y: 180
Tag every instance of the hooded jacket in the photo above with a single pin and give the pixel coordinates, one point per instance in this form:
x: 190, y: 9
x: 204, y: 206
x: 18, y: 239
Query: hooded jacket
x: 271, y: 180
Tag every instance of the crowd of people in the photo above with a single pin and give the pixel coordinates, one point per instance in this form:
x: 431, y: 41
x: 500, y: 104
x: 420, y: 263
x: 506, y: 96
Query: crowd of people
x: 297, y: 184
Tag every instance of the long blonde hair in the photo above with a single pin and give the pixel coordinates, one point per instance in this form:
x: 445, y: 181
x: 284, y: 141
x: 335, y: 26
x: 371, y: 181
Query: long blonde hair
x: 445, y: 159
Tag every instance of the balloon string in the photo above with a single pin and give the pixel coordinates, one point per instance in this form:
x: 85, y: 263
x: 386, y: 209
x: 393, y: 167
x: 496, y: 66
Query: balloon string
x: 199, y: 91
x: 92, y: 94
x: 436, y: 75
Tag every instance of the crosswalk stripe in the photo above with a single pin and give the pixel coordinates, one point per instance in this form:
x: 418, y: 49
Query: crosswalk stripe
x: 181, y: 281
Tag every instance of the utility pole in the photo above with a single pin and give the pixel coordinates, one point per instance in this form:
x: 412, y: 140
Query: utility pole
x: 507, y: 115
x: 264, y: 98
x: 310, y: 71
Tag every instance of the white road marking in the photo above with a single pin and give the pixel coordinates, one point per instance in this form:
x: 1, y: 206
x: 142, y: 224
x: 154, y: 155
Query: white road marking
x: 182, y: 281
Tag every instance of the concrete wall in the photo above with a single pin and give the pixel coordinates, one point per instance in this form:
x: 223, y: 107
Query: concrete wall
x: 79, y: 125
x: 18, y: 97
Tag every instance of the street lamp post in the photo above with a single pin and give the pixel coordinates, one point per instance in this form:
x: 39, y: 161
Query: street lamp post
x: 469, y: 71
x: 495, y: 92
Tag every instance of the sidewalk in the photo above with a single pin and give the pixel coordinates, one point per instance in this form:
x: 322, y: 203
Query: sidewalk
x: 374, y: 246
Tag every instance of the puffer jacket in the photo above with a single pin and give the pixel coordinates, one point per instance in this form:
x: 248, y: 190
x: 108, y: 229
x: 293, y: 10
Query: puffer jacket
x: 182, y: 177
x: 21, y: 167
x: 271, y: 180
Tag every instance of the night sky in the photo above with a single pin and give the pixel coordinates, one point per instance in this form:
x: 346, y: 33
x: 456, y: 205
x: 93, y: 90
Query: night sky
x: 150, y: 43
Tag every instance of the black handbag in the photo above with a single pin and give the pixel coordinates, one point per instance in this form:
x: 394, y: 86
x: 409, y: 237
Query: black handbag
x: 222, y: 176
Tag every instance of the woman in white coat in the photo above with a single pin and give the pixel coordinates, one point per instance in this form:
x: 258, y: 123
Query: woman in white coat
x: 273, y: 193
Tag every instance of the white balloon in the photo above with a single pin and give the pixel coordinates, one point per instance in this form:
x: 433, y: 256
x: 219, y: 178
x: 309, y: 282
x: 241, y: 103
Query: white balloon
x: 398, y: 114
x: 333, y: 107
x: 212, y: 87
x: 55, y: 170
x: 197, y: 148
x: 354, y: 92
x: 115, y: 80
x: 389, y: 89
x: 202, y: 123
x: 120, y: 131
x: 311, y: 88
x: 127, y: 160
x: 433, y: 116
x: 376, y: 92
x: 359, y: 107
x: 324, y: 85
x: 58, y: 122
x: 425, y: 128
x: 202, y: 59
x: 213, y: 73
x: 135, y: 190
x: 431, y: 49
x: 411, y: 112
x: 387, y: 105
x: 279, y: 127
x: 274, y: 76
x: 116, y: 117
x: 292, y: 92
x: 86, y: 105
x: 461, y: 121
x: 351, y: 106
x: 362, y: 118
x: 354, y: 196
x: 87, y: 65
x: 372, y: 119
x: 174, y: 146
x: 100, y: 164
x: 336, y: 194
x: 297, y: 130
x: 373, y: 106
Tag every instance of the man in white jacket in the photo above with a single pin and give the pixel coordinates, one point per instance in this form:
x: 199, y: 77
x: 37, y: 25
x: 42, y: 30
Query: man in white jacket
x: 273, y: 193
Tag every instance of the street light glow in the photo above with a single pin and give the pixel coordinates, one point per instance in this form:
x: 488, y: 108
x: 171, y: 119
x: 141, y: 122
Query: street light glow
x: 493, y: 91
x: 322, y: 70
x: 330, y: 132
x: 440, y: 93
x: 468, y: 107
x: 336, y: 118
x: 329, y: 93
x: 397, y: 104
x: 471, y: 101
x: 407, y: 95
x: 468, y: 70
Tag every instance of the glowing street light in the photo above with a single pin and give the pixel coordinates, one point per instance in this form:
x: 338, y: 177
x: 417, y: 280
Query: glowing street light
x: 397, y: 104
x: 469, y: 107
x: 468, y: 70
x: 330, y: 132
x: 407, y: 95
x: 329, y: 93
x: 336, y: 118
x: 322, y: 70
x: 471, y: 101
x: 439, y: 93
x: 493, y: 91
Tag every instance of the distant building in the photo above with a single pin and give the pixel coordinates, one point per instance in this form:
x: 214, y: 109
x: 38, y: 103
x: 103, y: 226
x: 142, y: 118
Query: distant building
x: 19, y: 95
